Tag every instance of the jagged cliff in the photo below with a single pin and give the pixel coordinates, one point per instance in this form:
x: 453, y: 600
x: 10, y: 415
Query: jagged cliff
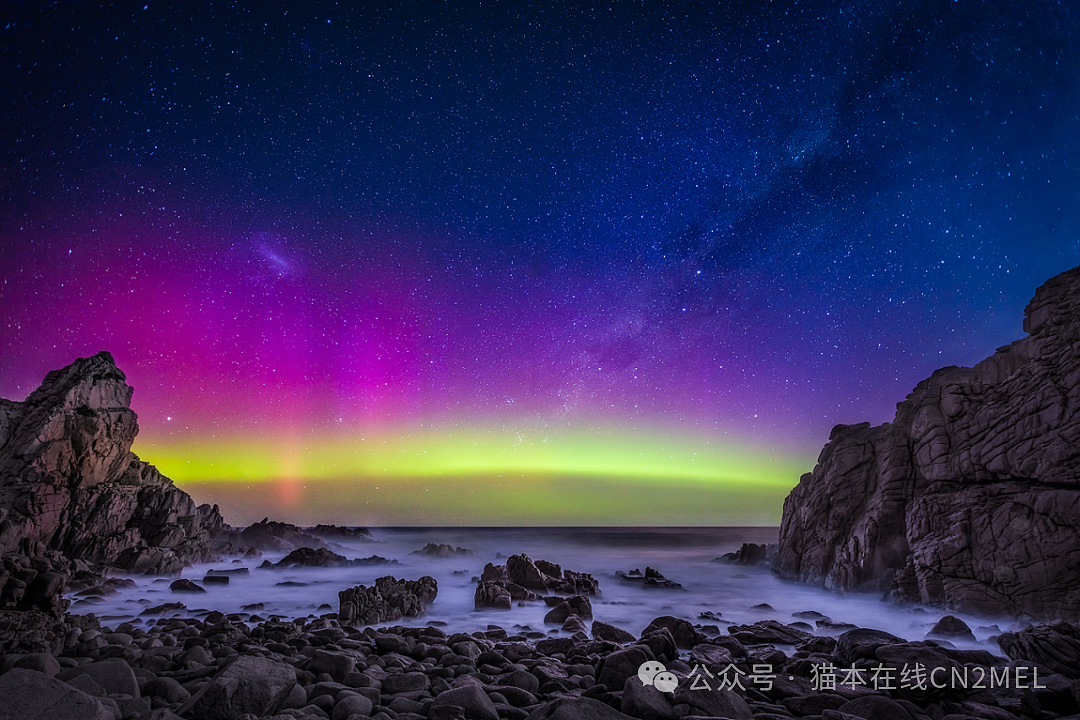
x: 70, y: 483
x: 970, y: 498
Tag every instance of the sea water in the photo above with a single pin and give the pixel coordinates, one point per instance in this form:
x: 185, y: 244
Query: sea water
x: 735, y: 594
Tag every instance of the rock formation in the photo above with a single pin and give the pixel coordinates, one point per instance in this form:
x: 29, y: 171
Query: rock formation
x: 970, y: 498
x: 268, y: 535
x: 69, y: 481
x: 387, y: 600
x: 443, y: 550
x: 307, y: 557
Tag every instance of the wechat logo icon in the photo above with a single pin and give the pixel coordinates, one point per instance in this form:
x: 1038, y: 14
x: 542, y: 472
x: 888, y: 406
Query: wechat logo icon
x: 655, y: 674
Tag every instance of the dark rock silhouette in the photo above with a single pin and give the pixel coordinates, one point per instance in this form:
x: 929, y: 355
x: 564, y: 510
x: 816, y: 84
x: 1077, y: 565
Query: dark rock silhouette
x: 73, y: 496
x: 443, y: 550
x: 490, y: 594
x: 1055, y: 645
x: 308, y: 557
x: 341, y: 533
x: 652, y: 578
x: 970, y: 498
x: 269, y: 535
x: 748, y: 554
x: 523, y: 579
x: 388, y: 599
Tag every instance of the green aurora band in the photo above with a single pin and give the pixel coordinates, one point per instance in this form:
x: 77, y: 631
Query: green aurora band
x: 468, y: 476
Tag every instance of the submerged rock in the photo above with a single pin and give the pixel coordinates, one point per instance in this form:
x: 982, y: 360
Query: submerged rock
x: 748, y: 554
x: 312, y: 557
x: 185, y: 585
x: 970, y: 498
x: 650, y: 579
x: 341, y: 533
x: 444, y: 551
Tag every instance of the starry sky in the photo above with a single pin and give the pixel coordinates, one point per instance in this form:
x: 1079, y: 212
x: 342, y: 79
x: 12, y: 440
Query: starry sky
x: 504, y: 263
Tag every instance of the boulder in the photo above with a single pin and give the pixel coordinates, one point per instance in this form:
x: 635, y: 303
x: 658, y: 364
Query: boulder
x: 951, y: 627
x: 684, y: 633
x: 249, y: 684
x: 719, y: 702
x: 115, y: 676
x: 185, y: 585
x: 352, y: 706
x: 646, y: 701
x: 495, y: 573
x: 604, y: 631
x: 166, y: 688
x: 1055, y: 646
x: 523, y: 571
x: 613, y: 670
x: 862, y: 643
x: 576, y: 708
x: 472, y: 699
x: 577, y: 605
x: 768, y: 632
x: 970, y: 498
x: 490, y: 594
x: 711, y: 656
x: 336, y: 665
x: 387, y: 600
x: 34, y: 578
x: 41, y: 662
x: 662, y: 644
x: 30, y: 695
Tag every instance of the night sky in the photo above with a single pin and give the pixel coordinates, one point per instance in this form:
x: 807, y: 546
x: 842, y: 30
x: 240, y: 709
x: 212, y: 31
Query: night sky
x: 498, y: 263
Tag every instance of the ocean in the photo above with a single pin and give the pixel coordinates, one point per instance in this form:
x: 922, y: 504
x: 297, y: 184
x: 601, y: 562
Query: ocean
x: 732, y: 593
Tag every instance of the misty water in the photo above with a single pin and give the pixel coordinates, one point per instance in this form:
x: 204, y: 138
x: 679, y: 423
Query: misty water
x: 683, y: 555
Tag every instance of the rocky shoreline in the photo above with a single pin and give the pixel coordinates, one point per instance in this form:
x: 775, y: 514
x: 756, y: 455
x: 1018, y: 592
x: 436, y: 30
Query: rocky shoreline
x: 889, y: 508
x: 243, y: 667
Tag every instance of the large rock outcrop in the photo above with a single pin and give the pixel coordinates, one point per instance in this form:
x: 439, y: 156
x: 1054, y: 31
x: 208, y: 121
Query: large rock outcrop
x: 69, y: 481
x: 970, y: 498
x: 387, y: 600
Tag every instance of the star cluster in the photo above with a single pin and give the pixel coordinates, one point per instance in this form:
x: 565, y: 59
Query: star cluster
x: 674, y: 226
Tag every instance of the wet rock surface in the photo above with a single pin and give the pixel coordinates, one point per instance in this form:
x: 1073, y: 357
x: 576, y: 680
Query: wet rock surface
x: 970, y: 498
x: 241, y: 668
x: 523, y: 579
x: 386, y: 600
x: 650, y: 579
x: 443, y: 550
x: 749, y: 554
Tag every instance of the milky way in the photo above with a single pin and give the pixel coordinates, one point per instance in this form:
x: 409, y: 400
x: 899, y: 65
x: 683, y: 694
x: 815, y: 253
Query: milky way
x: 522, y: 241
